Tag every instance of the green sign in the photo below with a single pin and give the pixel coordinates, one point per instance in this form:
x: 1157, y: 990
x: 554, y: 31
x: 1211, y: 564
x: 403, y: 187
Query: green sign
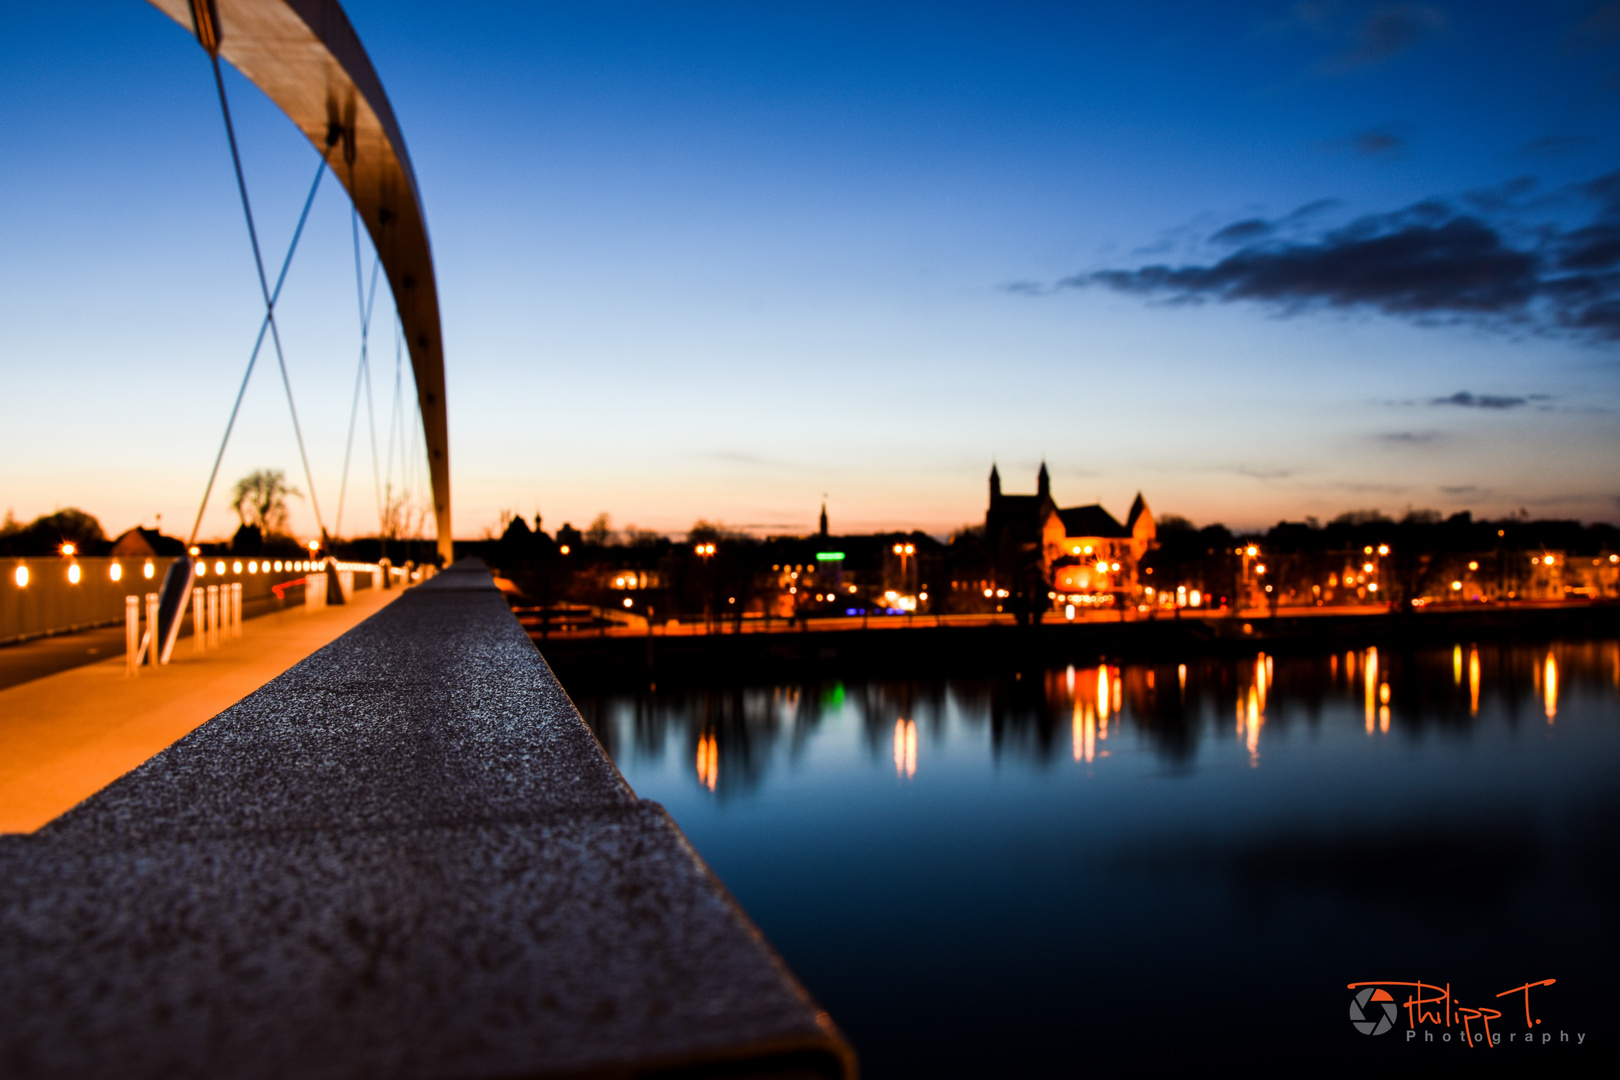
x: 830, y: 556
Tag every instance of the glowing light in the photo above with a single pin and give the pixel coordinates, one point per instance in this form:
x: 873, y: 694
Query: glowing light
x: 1195, y: 598
x: 1260, y: 569
x: 988, y: 593
x: 194, y: 551
x: 1085, y: 731
x: 148, y: 570
x: 20, y: 576
x: 1102, y: 568
x: 1367, y: 567
x: 253, y: 566
x: 1549, y: 687
x: 628, y: 602
x: 905, y: 748
x: 1456, y: 665
x: 236, y: 567
x: 1115, y: 566
x: 1366, y: 550
x: 920, y: 596
x: 708, y: 761
x: 910, y: 549
x: 1088, y: 549
x: 821, y: 556
x: 69, y: 549
x: 1383, y: 549
x: 1473, y: 682
x: 1181, y: 676
x: 1369, y: 671
x: 202, y: 569
x: 1473, y: 565
x: 1456, y: 586
x: 1068, y: 612
x: 314, y: 546
x: 219, y: 567
x: 1076, y: 551
x: 1383, y: 693
x: 278, y: 566
x: 1251, y: 551
x: 1373, y: 587
x: 897, y: 549
x: 73, y: 574
x: 115, y: 571
x: 564, y: 549
x: 1102, y: 693
x: 1383, y: 719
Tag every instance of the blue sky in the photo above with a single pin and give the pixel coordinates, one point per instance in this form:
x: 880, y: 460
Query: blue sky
x: 715, y: 260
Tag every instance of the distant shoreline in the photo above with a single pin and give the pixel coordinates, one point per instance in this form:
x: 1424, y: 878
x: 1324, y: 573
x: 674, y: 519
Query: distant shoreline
x: 585, y: 661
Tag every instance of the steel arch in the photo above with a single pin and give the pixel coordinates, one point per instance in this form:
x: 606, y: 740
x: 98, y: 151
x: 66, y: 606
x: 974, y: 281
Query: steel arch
x: 306, y: 57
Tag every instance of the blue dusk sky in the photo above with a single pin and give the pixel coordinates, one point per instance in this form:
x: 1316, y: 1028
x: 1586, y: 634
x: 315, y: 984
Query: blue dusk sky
x: 716, y: 260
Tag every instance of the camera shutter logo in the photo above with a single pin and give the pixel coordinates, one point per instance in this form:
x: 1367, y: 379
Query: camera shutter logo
x: 1374, y: 1020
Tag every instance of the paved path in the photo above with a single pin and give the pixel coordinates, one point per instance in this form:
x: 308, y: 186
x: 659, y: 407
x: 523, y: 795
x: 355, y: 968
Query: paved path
x: 67, y: 735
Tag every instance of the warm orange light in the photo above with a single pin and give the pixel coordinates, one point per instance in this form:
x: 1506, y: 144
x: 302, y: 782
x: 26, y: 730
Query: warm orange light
x: 20, y: 576
x: 73, y: 574
x: 69, y: 549
x: 1260, y: 569
x: 219, y: 567
x: 148, y: 570
x: 1195, y: 598
x: 314, y: 546
x: 628, y: 602
x: 1473, y: 566
x: 1102, y: 568
x: 202, y: 569
x: 563, y: 549
x: 1373, y: 587
x: 1251, y: 551
x: 1383, y: 549
x: 115, y: 571
x: 910, y: 548
x: 1116, y: 566
x: 897, y: 549
x: 236, y: 567
x: 195, y: 551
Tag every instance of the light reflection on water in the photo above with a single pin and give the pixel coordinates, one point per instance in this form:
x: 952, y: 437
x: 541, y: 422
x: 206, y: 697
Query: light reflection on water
x: 973, y: 874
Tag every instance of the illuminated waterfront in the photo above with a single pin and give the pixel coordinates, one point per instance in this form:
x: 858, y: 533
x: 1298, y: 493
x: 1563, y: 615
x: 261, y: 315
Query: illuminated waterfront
x: 1064, y: 866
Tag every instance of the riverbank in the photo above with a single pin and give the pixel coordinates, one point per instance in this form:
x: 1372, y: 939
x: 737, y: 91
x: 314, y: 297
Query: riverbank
x: 632, y: 662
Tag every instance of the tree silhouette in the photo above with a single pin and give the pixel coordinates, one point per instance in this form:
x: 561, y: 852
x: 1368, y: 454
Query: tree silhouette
x: 261, y: 500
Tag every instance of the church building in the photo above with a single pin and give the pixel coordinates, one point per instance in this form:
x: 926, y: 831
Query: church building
x: 1079, y: 550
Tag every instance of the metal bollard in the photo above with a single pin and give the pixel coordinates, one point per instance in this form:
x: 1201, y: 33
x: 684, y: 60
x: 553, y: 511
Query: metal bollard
x: 152, y: 646
x: 132, y: 635
x: 213, y: 616
x: 199, y: 632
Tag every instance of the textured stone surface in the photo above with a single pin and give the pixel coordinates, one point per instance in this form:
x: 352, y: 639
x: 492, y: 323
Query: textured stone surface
x: 406, y: 857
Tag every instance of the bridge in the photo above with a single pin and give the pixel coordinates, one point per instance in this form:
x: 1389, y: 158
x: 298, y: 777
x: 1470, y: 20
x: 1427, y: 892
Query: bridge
x: 406, y: 856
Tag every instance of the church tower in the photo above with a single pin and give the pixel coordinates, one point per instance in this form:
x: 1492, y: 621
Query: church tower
x: 824, y: 521
x: 1043, y: 483
x: 995, y: 485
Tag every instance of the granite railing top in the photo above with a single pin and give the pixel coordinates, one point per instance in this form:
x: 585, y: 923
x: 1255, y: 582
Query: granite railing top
x: 405, y: 857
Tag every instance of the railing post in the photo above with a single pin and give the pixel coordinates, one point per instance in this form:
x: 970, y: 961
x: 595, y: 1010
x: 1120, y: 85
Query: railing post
x: 152, y: 646
x: 199, y: 630
x: 132, y: 635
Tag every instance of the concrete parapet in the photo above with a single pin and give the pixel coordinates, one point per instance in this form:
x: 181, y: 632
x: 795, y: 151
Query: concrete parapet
x: 405, y: 857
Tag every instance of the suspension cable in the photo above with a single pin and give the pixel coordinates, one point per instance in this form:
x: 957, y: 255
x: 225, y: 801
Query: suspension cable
x: 264, y: 286
x: 258, y: 343
x: 362, y: 374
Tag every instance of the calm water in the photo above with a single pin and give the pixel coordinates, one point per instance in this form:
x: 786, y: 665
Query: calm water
x: 1037, y: 874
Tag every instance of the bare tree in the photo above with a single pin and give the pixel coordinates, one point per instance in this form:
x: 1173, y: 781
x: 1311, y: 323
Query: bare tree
x: 261, y: 500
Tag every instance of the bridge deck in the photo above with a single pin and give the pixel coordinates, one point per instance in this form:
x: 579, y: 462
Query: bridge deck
x: 405, y: 857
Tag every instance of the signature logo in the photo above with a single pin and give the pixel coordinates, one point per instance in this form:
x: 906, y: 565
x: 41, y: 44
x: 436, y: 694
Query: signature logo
x: 1376, y: 1020
x: 1433, y: 1009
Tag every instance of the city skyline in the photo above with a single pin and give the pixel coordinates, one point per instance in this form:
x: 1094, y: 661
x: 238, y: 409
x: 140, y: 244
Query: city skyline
x: 715, y: 261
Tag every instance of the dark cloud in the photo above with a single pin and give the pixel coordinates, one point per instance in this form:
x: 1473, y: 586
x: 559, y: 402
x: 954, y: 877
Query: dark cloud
x: 1410, y: 438
x: 1374, y: 144
x: 1460, y: 489
x: 1242, y: 232
x: 1557, y: 145
x: 1389, y: 31
x: 1434, y: 260
x: 1482, y: 401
